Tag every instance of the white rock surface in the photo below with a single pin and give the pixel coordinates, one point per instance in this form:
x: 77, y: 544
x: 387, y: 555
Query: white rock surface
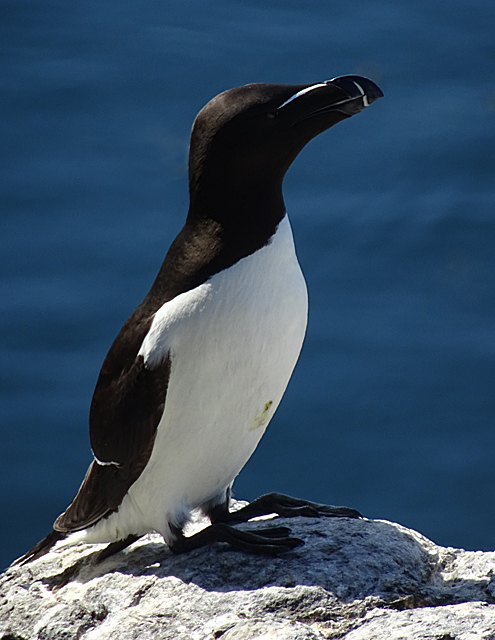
x: 353, y: 580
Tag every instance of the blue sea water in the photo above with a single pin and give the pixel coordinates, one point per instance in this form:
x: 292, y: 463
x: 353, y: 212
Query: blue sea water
x: 391, y: 408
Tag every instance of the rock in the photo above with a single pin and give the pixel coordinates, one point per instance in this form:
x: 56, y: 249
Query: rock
x: 353, y: 579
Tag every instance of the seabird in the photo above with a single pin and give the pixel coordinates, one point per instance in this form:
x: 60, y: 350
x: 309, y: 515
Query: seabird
x: 197, y: 371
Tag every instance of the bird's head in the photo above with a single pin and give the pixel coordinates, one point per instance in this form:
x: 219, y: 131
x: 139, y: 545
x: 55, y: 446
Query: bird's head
x: 246, y: 138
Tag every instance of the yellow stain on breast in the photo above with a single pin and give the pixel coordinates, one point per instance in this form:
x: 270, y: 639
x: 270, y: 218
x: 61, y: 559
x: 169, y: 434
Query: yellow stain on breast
x: 262, y: 417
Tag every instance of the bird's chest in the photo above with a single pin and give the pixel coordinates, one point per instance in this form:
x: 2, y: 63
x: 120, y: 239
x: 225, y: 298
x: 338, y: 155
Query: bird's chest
x: 249, y: 313
x: 233, y: 343
x: 245, y: 324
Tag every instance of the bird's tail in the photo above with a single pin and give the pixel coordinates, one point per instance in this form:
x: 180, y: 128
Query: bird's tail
x: 42, y: 547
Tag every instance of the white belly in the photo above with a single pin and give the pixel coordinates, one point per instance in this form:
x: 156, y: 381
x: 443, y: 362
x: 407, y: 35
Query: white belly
x: 233, y: 342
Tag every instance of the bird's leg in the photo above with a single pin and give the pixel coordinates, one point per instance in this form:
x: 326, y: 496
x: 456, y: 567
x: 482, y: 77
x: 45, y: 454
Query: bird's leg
x: 115, y: 547
x: 269, y: 541
x: 282, y: 505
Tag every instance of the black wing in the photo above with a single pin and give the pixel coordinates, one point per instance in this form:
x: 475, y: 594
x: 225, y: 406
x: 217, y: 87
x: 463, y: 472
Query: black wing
x: 129, y: 398
x: 126, y: 409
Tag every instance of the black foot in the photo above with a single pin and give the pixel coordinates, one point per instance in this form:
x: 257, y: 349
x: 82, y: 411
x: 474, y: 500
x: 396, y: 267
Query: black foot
x: 284, y: 506
x: 115, y: 547
x: 270, y: 541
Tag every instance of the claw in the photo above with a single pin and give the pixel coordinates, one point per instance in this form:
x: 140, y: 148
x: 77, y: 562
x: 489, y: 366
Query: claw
x: 270, y: 541
x: 286, y: 507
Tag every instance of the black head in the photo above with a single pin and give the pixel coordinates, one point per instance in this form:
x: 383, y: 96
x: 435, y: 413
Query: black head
x: 244, y: 140
x: 242, y: 143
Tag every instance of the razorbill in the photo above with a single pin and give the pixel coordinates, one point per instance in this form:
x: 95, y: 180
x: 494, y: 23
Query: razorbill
x: 198, y: 370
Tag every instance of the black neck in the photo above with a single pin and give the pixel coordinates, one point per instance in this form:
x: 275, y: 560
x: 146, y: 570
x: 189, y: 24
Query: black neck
x: 224, y: 225
x: 253, y: 207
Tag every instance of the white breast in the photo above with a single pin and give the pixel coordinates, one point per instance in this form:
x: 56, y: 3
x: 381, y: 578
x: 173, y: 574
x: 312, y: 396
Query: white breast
x: 233, y: 342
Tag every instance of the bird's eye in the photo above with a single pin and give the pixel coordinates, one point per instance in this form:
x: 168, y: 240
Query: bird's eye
x: 271, y: 114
